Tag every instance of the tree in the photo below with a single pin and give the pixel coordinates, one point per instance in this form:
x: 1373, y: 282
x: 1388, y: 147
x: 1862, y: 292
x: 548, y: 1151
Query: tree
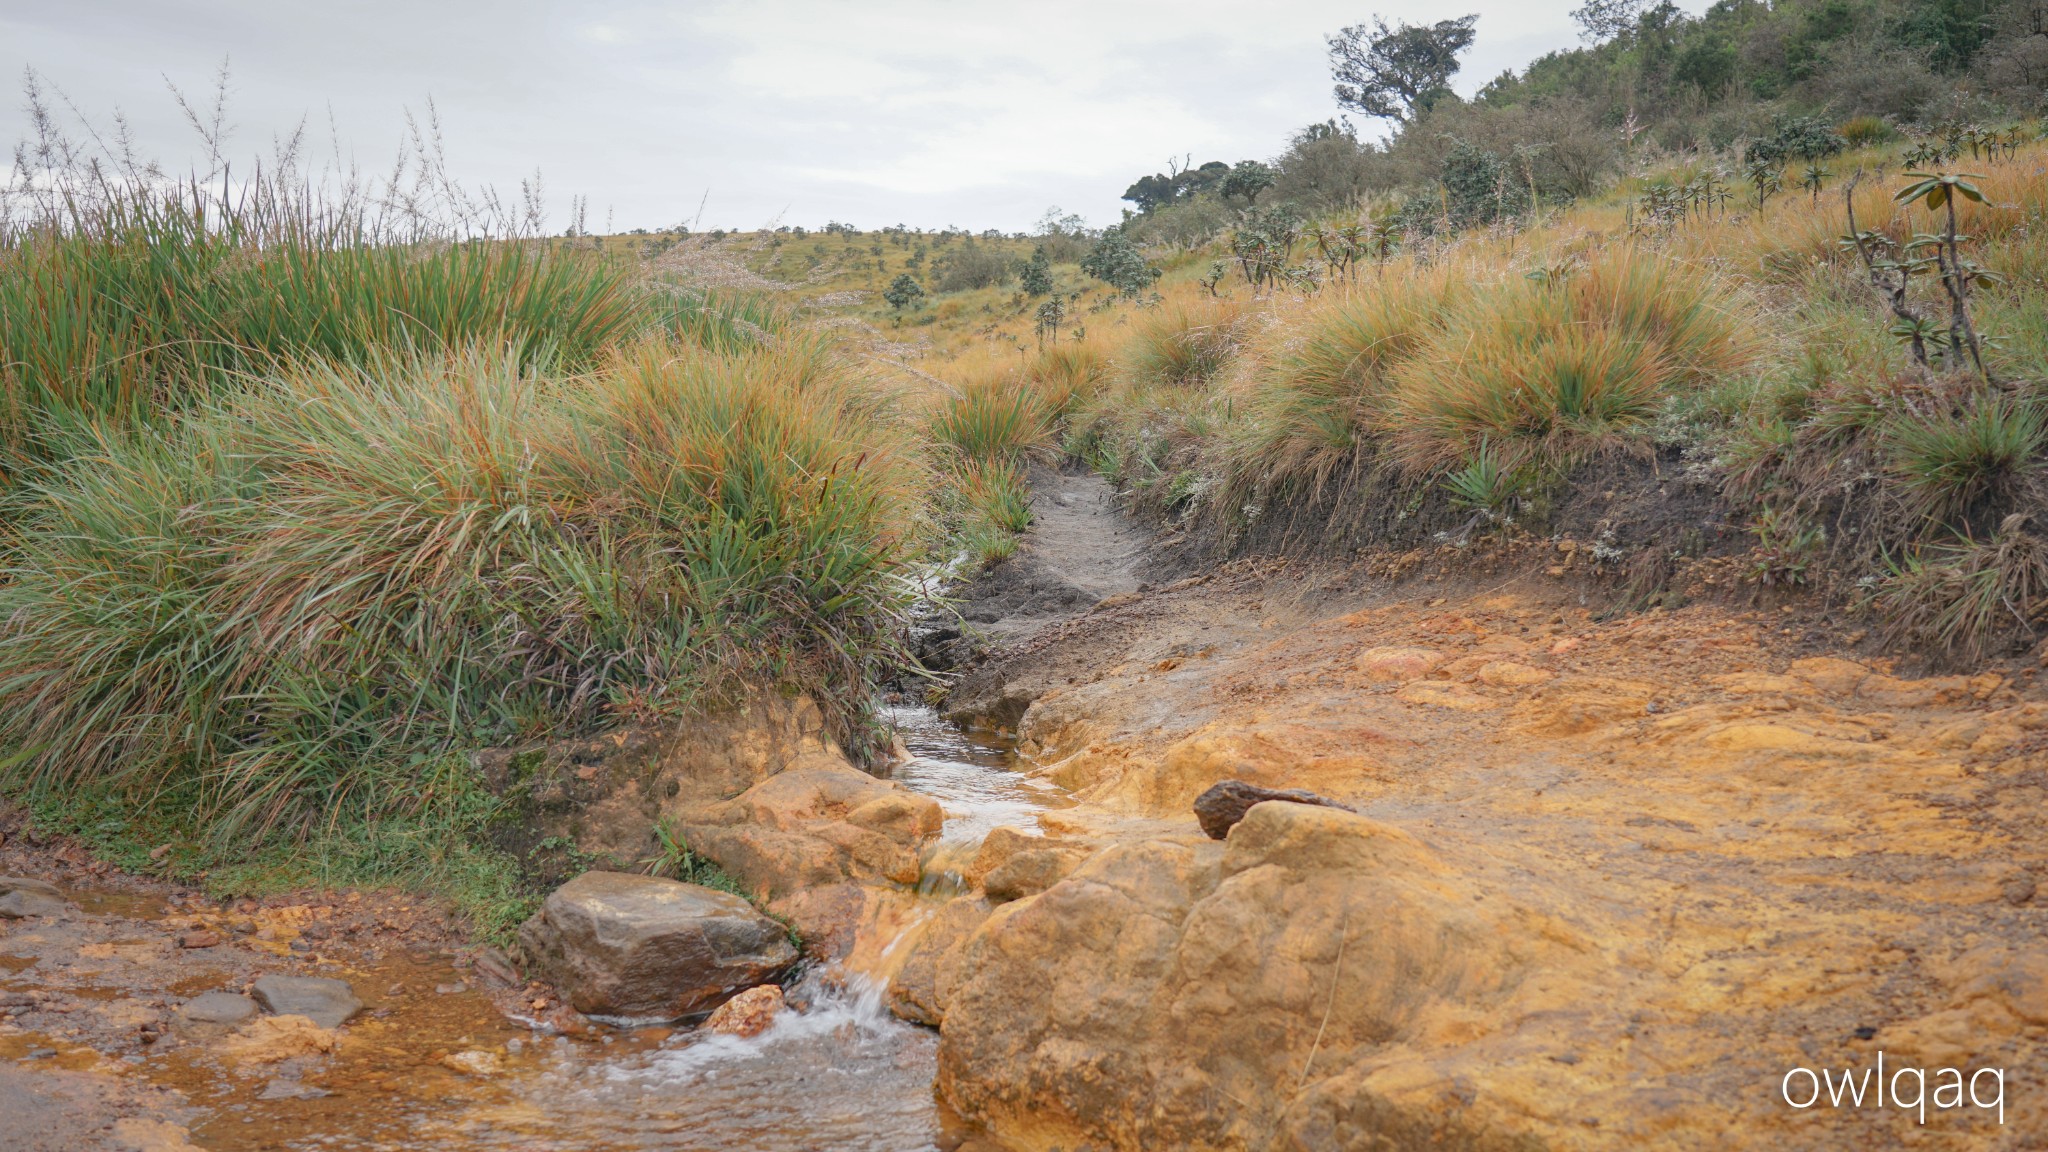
x: 1037, y: 277
x: 904, y: 292
x: 1248, y: 179
x: 1393, y: 73
x: 1602, y: 20
x: 1117, y: 261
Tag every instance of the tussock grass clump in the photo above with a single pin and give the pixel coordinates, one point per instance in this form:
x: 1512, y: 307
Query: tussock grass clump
x: 994, y: 508
x: 1320, y: 394
x: 142, y: 301
x: 1964, y: 598
x: 1955, y: 460
x: 297, y: 605
x: 1185, y: 342
x: 1069, y: 374
x: 1552, y: 370
x: 995, y: 416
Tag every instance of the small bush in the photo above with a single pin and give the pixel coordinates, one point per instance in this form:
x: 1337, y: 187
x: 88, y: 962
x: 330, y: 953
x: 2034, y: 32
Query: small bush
x: 972, y: 266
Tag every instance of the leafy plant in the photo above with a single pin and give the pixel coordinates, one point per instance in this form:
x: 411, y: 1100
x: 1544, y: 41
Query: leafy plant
x: 1939, y: 192
x: 1485, y: 486
x: 903, y: 292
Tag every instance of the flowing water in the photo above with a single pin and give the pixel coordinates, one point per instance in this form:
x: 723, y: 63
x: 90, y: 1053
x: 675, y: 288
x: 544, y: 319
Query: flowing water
x: 835, y: 1071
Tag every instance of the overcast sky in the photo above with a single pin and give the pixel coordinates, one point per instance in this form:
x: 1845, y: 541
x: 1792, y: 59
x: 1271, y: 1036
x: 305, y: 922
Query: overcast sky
x: 797, y: 111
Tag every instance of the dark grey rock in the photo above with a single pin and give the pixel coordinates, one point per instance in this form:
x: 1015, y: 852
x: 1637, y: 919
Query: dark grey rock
x: 1223, y: 805
x: 24, y: 902
x: 218, y: 1008
x: 25, y: 884
x: 328, y: 1003
x: 640, y: 946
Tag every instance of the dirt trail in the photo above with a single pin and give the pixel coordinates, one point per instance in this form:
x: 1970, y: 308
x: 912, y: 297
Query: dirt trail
x: 1078, y: 552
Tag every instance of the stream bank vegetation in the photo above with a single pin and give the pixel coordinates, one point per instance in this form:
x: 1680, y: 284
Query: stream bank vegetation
x: 305, y: 499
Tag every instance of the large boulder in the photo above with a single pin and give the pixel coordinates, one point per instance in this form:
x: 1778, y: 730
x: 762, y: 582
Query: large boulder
x: 639, y: 946
x: 1182, y: 995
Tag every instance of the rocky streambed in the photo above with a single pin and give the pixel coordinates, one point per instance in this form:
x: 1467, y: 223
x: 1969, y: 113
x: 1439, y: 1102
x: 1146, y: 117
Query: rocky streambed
x: 1570, y: 879
x: 136, y: 1014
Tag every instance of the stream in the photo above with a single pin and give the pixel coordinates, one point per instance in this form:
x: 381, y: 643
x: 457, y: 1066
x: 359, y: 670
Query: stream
x: 835, y: 1071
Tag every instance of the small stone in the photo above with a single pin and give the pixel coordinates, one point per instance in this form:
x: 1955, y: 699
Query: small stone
x: 495, y: 968
x: 219, y: 1008
x: 474, y: 1062
x: 747, y: 1014
x: 160, y: 851
x: 25, y: 884
x: 1223, y: 805
x: 2018, y: 888
x: 200, y: 938
x: 41, y: 1053
x: 269, y: 1039
x: 283, y: 1089
x: 327, y: 1003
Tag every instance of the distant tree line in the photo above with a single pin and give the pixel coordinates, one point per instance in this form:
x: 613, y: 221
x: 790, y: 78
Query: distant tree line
x: 1649, y: 78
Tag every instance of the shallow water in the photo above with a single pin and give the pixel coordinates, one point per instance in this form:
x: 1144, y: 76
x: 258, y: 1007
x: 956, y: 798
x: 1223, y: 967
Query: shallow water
x: 836, y: 1071
x: 973, y: 776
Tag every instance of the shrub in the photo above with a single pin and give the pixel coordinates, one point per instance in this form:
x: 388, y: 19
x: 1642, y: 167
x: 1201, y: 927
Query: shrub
x: 307, y: 594
x: 903, y: 292
x: 1116, y: 261
x: 972, y: 266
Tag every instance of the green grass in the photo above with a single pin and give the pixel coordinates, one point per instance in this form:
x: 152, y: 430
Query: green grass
x: 143, y: 301
x: 316, y: 588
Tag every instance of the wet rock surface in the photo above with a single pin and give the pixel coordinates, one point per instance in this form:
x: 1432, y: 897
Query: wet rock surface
x: 1225, y: 803
x: 1631, y: 870
x: 640, y: 946
x: 328, y: 1003
x: 224, y: 1008
x: 747, y: 1014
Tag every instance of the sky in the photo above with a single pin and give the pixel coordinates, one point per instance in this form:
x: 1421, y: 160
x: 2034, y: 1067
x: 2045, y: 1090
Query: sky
x: 746, y: 114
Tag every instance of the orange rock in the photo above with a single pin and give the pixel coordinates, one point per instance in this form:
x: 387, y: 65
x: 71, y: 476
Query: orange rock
x: 1397, y: 664
x: 747, y: 1014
